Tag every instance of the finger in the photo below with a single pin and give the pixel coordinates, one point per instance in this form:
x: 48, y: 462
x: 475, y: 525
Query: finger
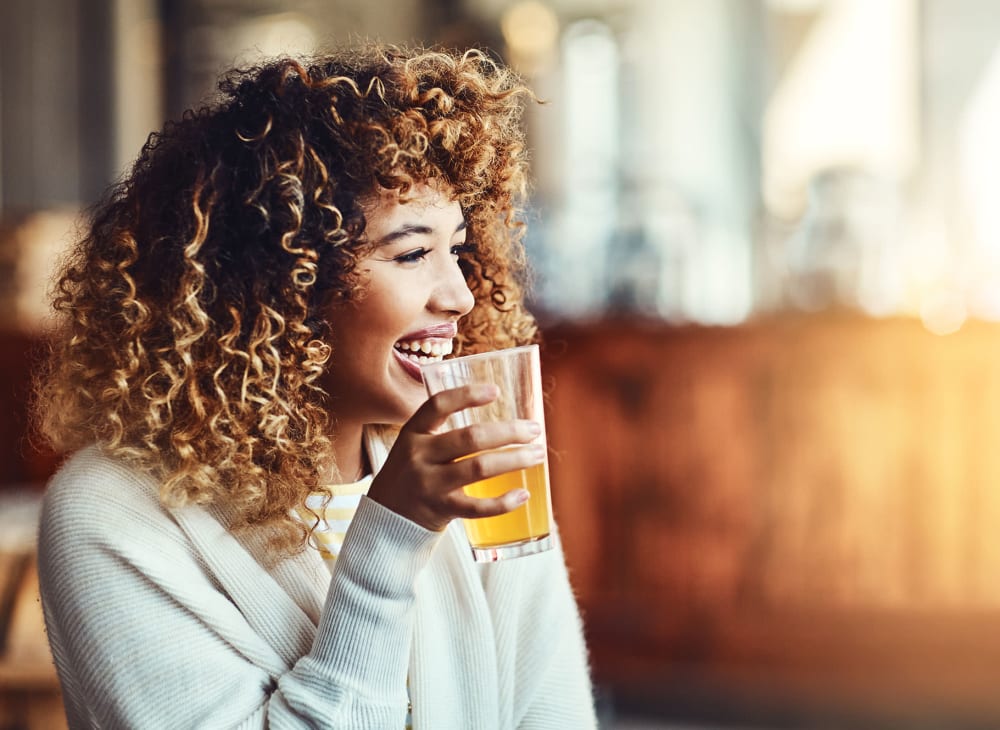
x: 435, y: 411
x: 473, y: 507
x: 479, y: 437
x: 493, y: 463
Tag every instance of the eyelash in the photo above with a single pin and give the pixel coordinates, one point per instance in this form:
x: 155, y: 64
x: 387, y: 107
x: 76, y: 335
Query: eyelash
x: 412, y: 257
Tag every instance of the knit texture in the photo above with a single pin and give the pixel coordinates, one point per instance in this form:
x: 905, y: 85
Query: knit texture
x: 162, y: 618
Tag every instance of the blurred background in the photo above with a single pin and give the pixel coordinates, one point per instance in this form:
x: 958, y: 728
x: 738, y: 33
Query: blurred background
x: 767, y: 259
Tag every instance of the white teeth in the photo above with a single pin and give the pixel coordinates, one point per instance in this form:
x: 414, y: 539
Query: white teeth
x: 425, y: 350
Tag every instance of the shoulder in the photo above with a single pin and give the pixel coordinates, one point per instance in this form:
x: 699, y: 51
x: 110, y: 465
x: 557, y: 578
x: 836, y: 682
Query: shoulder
x: 94, y: 495
x: 91, y: 478
x: 101, y: 525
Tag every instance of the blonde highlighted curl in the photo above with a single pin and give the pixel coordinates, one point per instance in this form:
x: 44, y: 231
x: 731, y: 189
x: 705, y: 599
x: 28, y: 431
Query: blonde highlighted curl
x: 193, y: 337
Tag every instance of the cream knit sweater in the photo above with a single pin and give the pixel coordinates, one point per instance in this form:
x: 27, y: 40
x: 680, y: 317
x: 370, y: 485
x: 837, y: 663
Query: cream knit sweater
x: 163, y: 619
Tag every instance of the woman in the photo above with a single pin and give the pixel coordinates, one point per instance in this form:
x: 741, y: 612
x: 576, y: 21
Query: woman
x: 243, y: 326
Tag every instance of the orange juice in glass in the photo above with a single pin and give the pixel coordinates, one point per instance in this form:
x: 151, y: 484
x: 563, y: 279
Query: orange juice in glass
x: 517, y: 373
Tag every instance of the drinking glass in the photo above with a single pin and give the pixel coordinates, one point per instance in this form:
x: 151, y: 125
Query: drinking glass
x: 517, y: 373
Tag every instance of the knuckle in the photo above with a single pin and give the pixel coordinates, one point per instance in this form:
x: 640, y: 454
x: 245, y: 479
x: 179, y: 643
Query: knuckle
x: 437, y: 504
x: 461, y: 507
x: 478, y: 469
x: 438, y: 507
x: 476, y: 511
x: 436, y: 403
x: 409, y: 449
x: 475, y: 437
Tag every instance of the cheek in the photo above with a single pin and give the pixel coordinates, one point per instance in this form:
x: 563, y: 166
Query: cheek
x: 389, y: 307
x: 395, y: 313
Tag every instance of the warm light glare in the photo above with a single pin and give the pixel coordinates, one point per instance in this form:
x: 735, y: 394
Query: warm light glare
x: 979, y: 168
x: 849, y: 99
x: 40, y: 242
x: 796, y: 7
x: 592, y: 134
x: 139, y: 106
x: 277, y: 34
x: 943, y: 312
x: 531, y: 31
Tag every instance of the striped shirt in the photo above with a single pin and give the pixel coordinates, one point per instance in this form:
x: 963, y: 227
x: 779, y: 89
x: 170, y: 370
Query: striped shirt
x: 334, y: 518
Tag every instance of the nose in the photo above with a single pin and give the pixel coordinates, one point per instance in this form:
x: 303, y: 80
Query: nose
x: 452, y: 294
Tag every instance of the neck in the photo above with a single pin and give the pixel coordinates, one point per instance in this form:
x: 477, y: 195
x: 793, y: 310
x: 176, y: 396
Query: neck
x: 349, y: 452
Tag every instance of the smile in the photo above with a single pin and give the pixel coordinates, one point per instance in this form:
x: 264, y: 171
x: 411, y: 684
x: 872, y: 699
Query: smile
x: 411, y: 354
x: 431, y: 349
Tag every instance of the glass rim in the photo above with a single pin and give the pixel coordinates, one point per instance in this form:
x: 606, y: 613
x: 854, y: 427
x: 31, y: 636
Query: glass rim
x: 503, y: 352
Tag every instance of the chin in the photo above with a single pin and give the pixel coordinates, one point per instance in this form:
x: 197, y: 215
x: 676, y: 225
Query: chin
x: 404, y: 409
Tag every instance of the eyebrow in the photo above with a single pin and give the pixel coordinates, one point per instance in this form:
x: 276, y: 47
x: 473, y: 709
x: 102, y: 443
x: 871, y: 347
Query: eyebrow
x: 412, y: 229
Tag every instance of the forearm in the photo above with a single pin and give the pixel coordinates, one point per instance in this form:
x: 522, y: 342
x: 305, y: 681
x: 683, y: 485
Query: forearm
x: 362, y: 644
x: 552, y: 650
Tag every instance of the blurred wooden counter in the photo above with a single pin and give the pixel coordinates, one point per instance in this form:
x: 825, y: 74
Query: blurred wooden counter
x: 804, y: 509
x: 29, y: 688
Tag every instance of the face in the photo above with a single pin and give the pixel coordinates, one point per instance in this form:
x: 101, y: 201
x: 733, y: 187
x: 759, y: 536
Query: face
x: 413, y: 297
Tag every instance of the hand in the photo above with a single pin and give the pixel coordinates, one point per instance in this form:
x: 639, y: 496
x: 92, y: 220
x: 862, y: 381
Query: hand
x: 422, y: 478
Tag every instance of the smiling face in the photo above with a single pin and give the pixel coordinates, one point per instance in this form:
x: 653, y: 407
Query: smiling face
x: 413, y: 296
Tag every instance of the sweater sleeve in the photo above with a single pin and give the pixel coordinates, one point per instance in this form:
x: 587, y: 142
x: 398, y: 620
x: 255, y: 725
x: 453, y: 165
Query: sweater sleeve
x: 538, y: 625
x: 362, y: 648
x: 143, y: 635
x: 564, y: 695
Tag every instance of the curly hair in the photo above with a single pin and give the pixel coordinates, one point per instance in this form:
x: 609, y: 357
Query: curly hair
x: 191, y: 337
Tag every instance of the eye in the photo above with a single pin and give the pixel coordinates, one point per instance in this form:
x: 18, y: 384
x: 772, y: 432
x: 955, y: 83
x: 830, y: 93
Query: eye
x: 411, y: 257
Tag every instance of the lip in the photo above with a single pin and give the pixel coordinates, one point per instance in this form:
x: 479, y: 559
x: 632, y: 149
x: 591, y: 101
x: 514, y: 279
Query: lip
x: 443, y: 331
x: 447, y: 330
x: 411, y: 368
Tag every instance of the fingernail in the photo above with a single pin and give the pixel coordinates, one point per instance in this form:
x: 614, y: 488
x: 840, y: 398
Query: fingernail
x: 538, y: 451
x: 521, y: 496
x: 534, y: 428
x: 487, y: 390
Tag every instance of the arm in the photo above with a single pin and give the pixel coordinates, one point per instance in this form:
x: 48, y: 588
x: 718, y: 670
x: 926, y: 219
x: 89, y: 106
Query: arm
x: 143, y: 632
x: 564, y: 696
x: 538, y: 625
x: 144, y: 636
x: 362, y: 646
